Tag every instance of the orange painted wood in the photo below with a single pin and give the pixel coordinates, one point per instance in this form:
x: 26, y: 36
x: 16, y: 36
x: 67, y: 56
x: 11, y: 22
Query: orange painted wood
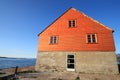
x: 74, y: 39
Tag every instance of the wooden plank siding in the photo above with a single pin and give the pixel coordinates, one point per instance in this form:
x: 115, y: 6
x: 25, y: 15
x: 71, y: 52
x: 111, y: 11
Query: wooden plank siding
x: 74, y: 39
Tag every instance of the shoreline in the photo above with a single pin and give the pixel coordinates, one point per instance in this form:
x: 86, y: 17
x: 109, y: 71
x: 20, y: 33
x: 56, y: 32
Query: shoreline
x: 15, y: 67
x: 10, y: 73
x: 29, y: 73
x: 20, y: 69
x: 14, y: 58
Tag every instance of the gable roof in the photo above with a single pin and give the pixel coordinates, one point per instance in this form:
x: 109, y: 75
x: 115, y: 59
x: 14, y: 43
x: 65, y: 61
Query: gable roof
x: 54, y: 21
x: 82, y: 14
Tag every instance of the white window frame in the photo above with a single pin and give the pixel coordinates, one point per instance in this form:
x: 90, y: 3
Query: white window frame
x: 91, y: 38
x: 69, y: 69
x: 71, y: 23
x: 54, y: 40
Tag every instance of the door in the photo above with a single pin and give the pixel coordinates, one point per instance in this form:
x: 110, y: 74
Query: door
x: 70, y: 62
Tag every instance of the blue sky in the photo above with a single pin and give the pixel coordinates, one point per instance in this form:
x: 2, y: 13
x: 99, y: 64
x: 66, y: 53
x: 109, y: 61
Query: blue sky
x: 22, y: 20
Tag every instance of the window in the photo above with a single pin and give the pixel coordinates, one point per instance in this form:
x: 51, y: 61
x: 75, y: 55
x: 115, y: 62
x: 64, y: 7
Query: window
x: 70, y: 62
x: 91, y: 38
x: 72, y: 23
x: 53, y: 39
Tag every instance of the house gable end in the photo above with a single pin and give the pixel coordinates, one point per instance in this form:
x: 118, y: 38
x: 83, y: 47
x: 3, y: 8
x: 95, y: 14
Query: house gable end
x: 82, y: 15
x: 75, y: 37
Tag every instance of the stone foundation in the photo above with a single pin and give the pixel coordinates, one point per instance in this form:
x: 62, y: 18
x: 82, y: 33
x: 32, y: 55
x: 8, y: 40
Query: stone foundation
x: 85, y: 62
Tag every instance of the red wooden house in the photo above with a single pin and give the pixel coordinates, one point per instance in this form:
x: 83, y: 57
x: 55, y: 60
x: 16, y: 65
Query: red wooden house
x: 76, y: 42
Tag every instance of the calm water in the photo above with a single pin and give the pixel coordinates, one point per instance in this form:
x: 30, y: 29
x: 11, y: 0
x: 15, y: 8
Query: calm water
x: 13, y: 62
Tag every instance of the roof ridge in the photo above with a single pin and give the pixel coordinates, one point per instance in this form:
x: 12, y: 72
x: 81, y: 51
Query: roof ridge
x: 94, y: 20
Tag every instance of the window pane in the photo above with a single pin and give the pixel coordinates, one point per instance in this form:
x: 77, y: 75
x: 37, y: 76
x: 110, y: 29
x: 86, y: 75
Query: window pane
x: 93, y: 38
x: 70, y: 66
x: 51, y: 40
x: 55, y: 40
x: 70, y: 56
x: 89, y: 38
x: 70, y: 61
x: 69, y: 23
x: 73, y: 23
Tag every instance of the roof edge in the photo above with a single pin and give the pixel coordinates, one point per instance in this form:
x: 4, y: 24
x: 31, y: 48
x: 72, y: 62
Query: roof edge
x: 55, y: 20
x: 96, y: 21
x: 81, y: 13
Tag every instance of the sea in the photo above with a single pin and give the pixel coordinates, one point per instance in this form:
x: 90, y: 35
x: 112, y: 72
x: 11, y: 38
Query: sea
x: 13, y: 62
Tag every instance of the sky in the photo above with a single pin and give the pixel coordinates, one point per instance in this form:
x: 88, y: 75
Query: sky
x: 22, y: 20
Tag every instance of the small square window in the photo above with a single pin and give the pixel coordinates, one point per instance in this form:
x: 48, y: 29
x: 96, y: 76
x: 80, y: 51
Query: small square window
x: 53, y: 39
x: 91, y: 38
x: 72, y: 23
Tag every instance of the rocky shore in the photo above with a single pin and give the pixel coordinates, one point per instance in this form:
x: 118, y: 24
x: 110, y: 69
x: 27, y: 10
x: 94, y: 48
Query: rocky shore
x: 29, y: 73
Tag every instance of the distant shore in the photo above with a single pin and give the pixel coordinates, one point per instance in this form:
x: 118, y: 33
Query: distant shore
x: 3, y: 57
x: 20, y: 69
x: 15, y: 58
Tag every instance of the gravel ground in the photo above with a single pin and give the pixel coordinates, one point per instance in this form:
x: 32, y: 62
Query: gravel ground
x: 28, y: 73
x: 66, y: 76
